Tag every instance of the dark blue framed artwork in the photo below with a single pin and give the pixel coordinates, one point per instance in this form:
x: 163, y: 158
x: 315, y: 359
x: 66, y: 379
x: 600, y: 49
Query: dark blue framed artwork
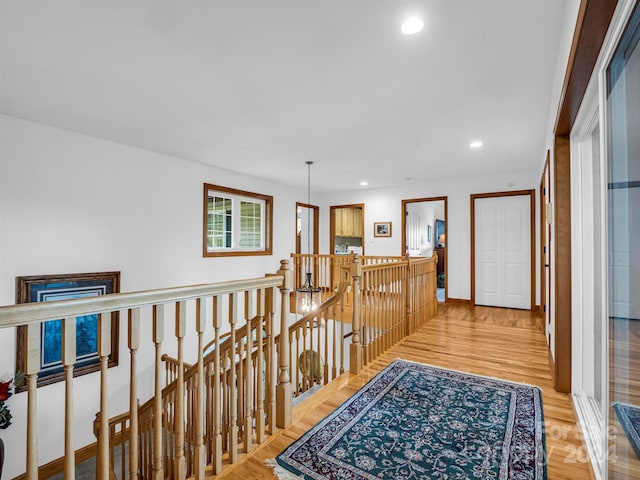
x: 49, y: 288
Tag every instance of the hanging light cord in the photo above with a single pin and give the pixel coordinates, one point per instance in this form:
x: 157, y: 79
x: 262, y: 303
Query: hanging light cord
x: 309, y: 163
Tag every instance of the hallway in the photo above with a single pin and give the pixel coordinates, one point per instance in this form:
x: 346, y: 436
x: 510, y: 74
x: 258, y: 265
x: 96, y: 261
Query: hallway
x: 503, y: 343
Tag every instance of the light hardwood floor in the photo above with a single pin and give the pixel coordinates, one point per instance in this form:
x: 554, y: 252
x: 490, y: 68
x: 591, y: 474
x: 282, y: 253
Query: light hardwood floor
x: 502, y: 343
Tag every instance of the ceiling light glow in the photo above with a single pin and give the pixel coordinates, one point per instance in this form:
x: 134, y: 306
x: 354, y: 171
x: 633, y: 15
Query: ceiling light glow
x: 364, y: 184
x: 412, y: 25
x: 475, y: 144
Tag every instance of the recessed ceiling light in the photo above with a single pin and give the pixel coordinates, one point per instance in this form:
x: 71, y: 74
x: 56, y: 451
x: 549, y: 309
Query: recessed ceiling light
x: 412, y: 25
x: 475, y: 144
x: 364, y: 184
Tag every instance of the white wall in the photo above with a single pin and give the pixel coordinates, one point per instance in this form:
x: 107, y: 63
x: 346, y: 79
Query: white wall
x: 386, y: 205
x: 71, y: 203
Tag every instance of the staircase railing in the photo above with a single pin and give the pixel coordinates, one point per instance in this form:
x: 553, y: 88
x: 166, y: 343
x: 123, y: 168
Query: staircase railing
x: 246, y: 377
x: 196, y: 307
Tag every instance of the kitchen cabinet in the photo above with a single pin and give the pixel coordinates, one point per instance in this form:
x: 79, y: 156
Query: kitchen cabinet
x: 348, y: 222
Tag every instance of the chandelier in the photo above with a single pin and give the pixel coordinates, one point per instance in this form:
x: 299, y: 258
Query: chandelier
x: 308, y: 295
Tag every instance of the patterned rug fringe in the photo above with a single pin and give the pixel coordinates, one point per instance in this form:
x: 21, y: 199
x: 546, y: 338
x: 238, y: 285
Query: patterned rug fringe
x: 278, y: 471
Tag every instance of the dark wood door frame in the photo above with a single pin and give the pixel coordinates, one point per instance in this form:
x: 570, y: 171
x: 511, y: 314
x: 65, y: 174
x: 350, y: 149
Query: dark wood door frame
x: 446, y: 234
x: 532, y: 227
x: 594, y: 17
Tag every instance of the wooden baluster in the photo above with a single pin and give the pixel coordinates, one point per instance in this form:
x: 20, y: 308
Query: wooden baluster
x: 233, y: 385
x: 104, y: 350
x: 68, y: 359
x: 305, y: 349
x: 260, y: 426
x: 199, y: 453
x: 217, y: 397
x: 355, y: 360
x: 342, y: 340
x: 283, y: 389
x: 33, y: 367
x: 271, y: 360
x: 180, y: 466
x: 412, y: 288
x: 334, y: 351
x: 249, y: 313
x: 158, y: 338
x: 294, y: 355
x: 134, y: 344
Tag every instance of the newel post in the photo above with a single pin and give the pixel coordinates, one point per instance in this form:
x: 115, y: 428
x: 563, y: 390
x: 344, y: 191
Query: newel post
x: 355, y: 353
x: 283, y: 389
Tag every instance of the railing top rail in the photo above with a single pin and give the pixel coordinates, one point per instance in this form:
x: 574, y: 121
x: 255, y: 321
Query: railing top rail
x: 382, y: 266
x: 23, y: 314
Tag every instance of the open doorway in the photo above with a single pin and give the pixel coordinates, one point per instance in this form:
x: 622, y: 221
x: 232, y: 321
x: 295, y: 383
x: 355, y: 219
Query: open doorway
x: 424, y: 233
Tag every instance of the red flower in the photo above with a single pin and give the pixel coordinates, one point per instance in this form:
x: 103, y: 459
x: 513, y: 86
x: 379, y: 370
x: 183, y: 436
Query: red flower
x: 4, y: 391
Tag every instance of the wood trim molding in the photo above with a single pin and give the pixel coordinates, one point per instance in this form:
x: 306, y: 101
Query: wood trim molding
x: 532, y: 227
x: 594, y: 17
x: 562, y: 263
x: 460, y: 301
x: 446, y: 233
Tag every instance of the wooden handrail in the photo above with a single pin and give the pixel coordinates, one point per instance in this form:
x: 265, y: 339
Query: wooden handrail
x: 29, y: 313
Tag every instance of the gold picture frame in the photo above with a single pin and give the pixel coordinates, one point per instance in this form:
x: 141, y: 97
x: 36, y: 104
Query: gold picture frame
x: 381, y: 229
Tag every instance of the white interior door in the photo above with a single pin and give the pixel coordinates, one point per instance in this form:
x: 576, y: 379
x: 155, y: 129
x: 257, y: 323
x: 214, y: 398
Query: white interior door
x: 503, y: 251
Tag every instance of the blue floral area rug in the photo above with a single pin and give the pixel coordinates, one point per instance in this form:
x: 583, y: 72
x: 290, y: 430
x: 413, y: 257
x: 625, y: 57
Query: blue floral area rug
x: 418, y: 422
x: 629, y: 418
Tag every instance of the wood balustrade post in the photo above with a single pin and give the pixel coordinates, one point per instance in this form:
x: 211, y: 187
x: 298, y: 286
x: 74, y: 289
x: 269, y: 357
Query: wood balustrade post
x: 409, y: 315
x: 249, y: 313
x: 180, y: 465
x: 104, y: 350
x: 68, y: 359
x: 217, y: 396
x: 260, y: 380
x: 134, y: 344
x: 271, y: 359
x: 355, y: 353
x: 199, y: 453
x: 283, y: 389
x: 33, y: 367
x: 158, y: 338
x: 233, y: 386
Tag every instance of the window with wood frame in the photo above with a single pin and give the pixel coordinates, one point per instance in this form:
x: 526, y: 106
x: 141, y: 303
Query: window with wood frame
x: 236, y: 222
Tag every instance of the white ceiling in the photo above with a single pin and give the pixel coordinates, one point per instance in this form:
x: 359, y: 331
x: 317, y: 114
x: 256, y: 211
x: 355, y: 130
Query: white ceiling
x: 261, y: 86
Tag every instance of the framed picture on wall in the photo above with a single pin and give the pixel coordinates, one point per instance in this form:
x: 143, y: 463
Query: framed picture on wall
x: 381, y: 229
x: 48, y: 288
x: 429, y: 234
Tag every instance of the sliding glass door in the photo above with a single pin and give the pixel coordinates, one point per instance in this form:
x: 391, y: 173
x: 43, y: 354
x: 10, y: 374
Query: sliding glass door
x: 622, y: 87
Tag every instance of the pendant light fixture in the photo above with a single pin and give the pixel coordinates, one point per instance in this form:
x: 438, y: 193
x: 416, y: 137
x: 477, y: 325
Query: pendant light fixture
x: 308, y: 296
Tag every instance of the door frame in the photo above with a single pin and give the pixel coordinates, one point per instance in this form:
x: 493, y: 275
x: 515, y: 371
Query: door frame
x: 316, y: 225
x: 532, y: 227
x: 446, y: 233
x: 545, y: 245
